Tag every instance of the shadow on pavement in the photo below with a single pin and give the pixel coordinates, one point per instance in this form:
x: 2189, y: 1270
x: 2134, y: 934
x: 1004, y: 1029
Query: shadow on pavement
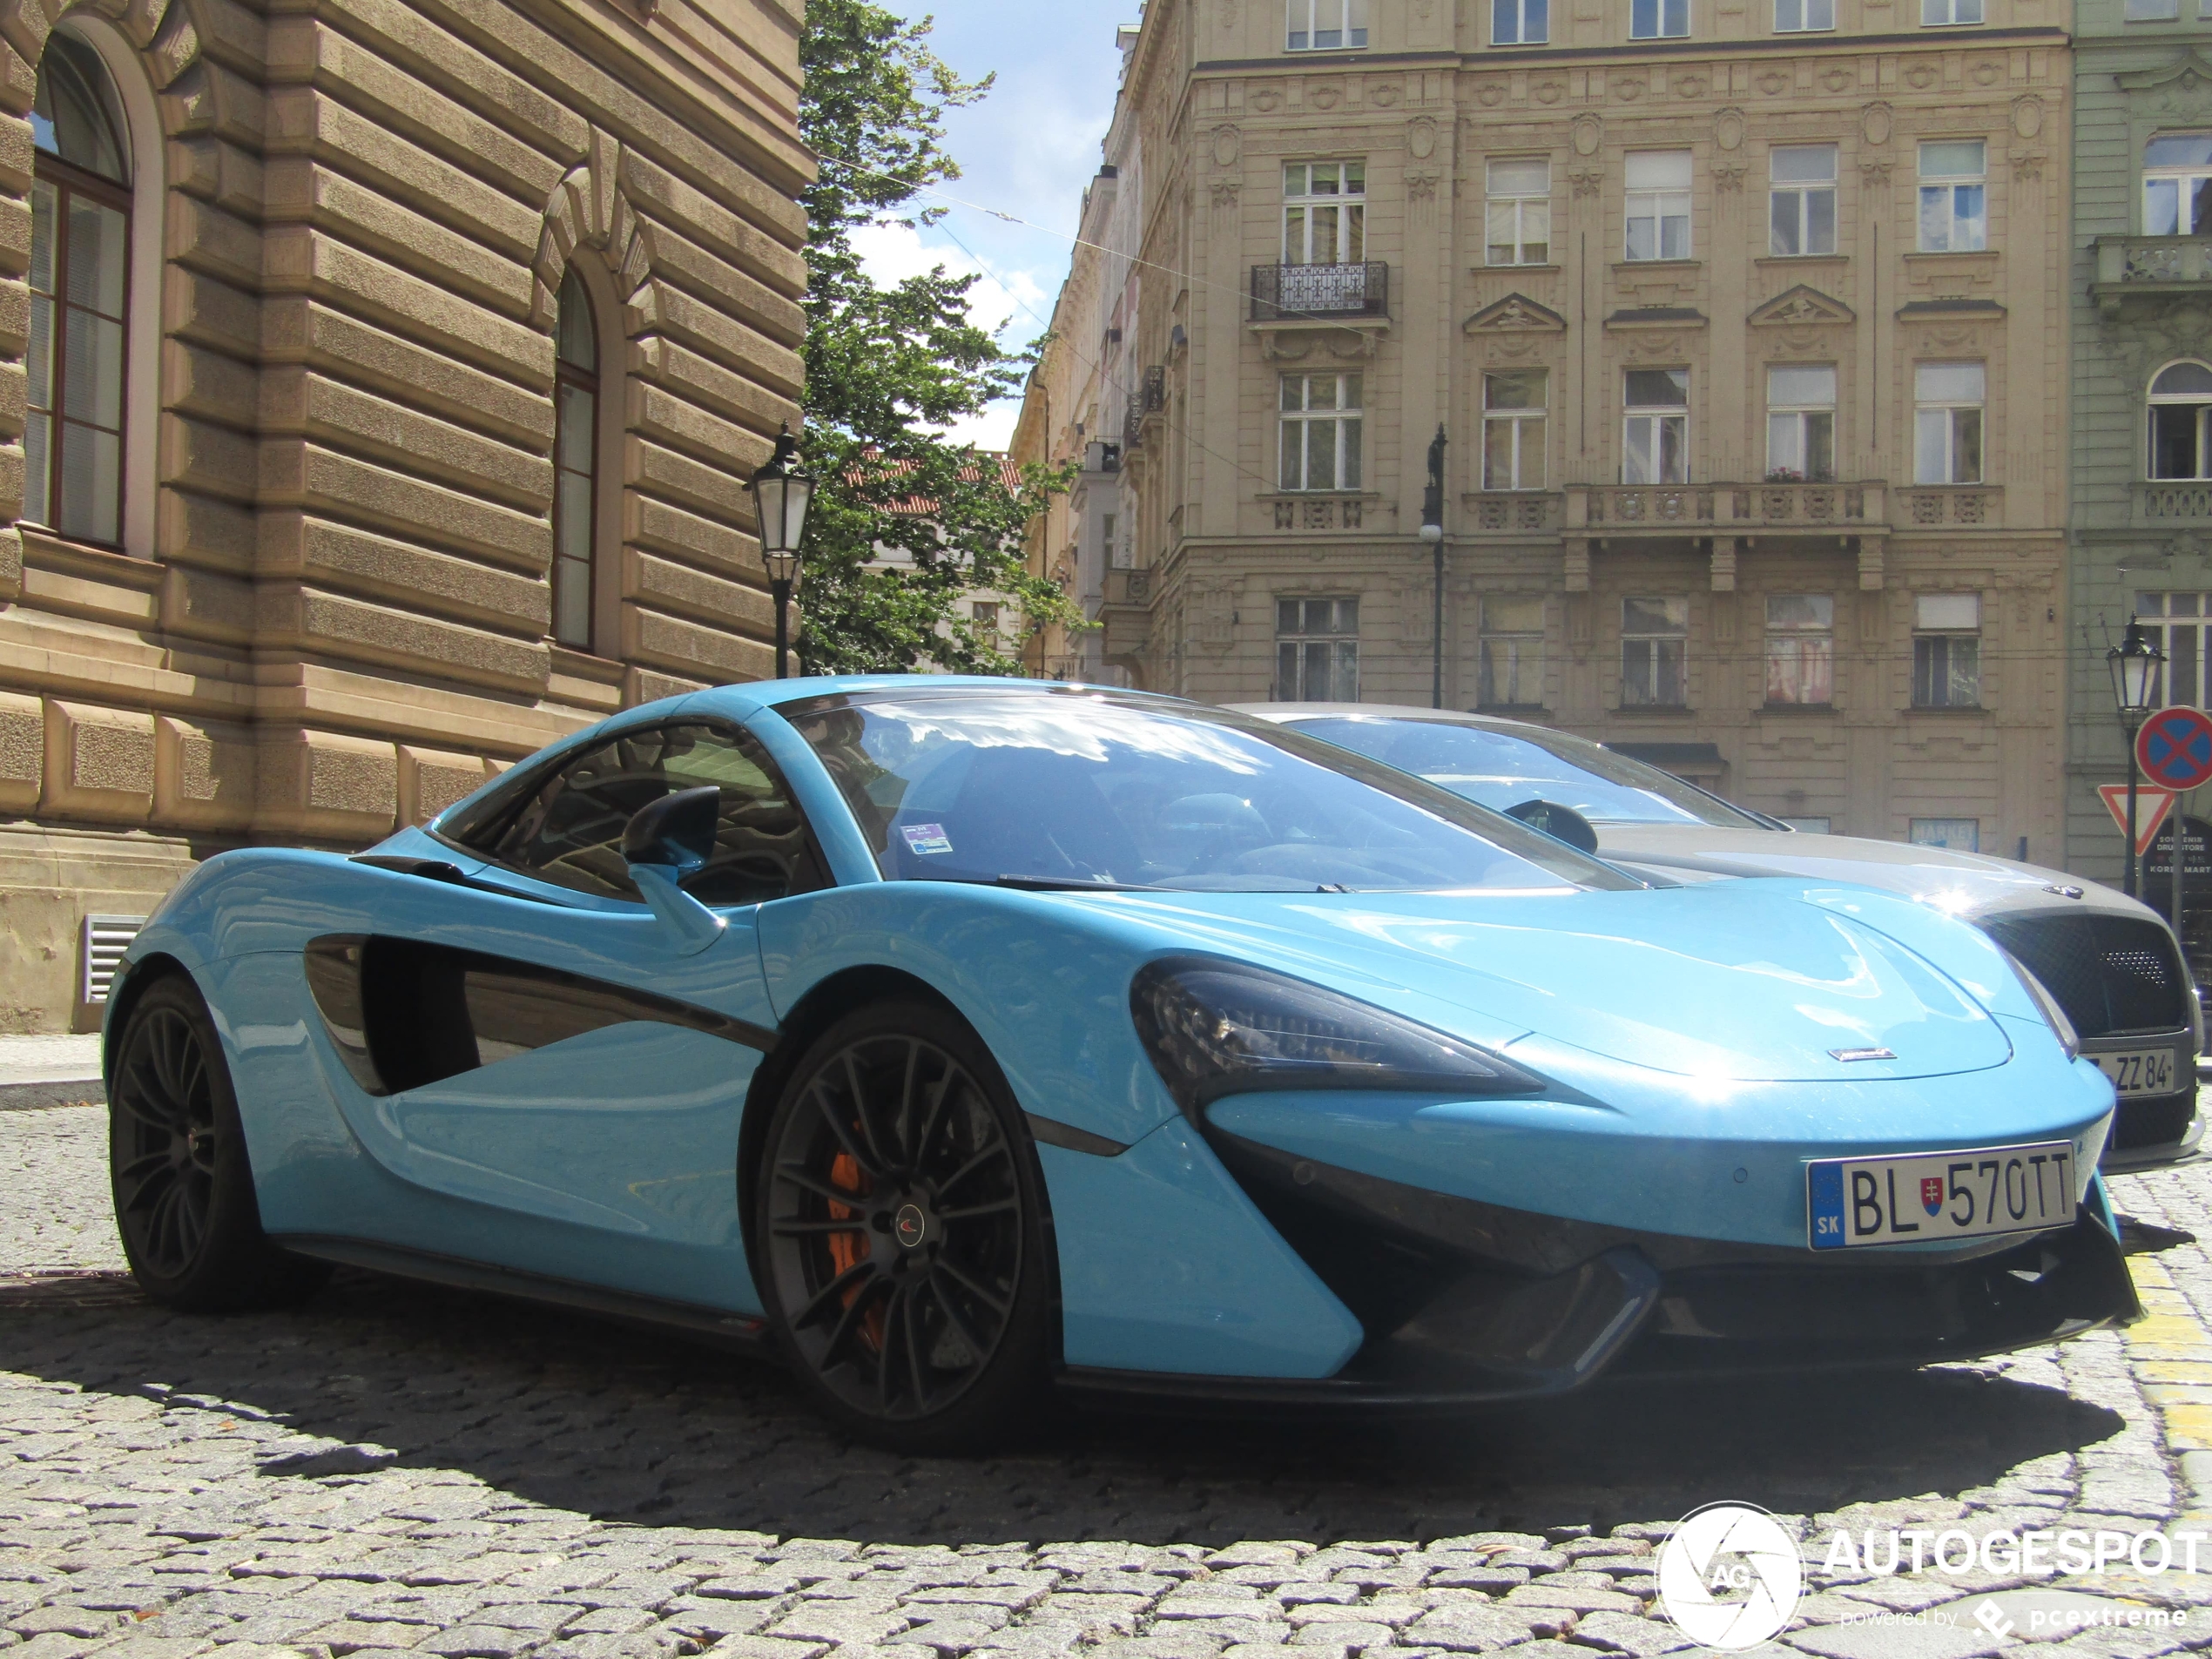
x: 621, y: 1425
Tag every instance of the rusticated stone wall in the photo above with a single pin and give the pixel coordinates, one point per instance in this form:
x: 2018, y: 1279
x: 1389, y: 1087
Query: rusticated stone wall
x: 329, y: 614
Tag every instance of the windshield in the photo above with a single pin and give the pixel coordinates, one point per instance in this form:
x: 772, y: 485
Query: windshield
x: 1499, y: 768
x: 1091, y: 789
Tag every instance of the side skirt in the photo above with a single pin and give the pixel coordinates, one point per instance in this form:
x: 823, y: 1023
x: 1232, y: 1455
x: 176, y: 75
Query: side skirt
x: 741, y: 1331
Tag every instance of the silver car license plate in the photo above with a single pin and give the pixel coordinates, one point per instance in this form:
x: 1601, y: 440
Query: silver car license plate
x: 1926, y: 1197
x: 2139, y: 1071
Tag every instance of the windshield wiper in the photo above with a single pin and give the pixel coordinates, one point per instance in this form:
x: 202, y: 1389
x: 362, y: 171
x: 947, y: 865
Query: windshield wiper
x: 1069, y: 884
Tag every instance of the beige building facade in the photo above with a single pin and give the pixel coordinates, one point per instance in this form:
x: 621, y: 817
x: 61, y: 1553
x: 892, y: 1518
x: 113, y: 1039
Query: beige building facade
x: 384, y: 381
x: 1745, y: 324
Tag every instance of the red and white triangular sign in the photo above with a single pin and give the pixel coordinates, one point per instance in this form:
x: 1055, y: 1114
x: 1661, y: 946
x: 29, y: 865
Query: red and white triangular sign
x: 2152, y: 804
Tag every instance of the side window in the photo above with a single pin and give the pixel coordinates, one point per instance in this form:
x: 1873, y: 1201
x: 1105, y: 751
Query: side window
x: 568, y: 830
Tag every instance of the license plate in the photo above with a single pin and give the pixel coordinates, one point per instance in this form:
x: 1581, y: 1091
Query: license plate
x: 2138, y: 1071
x: 1931, y: 1196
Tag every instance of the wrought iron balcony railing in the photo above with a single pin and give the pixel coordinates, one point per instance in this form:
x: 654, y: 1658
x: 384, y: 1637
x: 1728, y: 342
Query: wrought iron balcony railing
x: 1319, y: 293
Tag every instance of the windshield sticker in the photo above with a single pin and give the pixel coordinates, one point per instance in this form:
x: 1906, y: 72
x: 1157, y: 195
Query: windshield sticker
x: 926, y: 838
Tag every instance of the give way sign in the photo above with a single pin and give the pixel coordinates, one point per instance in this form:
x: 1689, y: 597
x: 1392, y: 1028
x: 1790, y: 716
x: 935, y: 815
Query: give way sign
x: 2152, y: 804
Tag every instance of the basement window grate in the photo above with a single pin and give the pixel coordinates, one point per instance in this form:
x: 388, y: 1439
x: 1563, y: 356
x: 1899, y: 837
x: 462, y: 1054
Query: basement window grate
x: 105, y: 939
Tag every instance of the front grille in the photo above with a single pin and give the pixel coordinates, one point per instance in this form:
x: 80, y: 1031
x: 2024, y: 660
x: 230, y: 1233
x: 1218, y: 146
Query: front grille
x: 2112, y: 974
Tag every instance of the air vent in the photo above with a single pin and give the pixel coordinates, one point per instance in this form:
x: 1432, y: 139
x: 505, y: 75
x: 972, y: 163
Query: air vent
x: 105, y: 939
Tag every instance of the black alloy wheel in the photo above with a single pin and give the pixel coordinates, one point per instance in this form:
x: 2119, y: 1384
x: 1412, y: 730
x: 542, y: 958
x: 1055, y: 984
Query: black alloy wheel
x: 183, y: 1188
x: 900, y: 1228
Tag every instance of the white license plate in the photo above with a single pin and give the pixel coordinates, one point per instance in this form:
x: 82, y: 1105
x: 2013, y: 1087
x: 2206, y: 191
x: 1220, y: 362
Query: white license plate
x: 1933, y: 1196
x: 2139, y: 1071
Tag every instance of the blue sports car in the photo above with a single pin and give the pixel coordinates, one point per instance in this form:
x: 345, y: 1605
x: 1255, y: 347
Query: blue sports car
x: 958, y: 1039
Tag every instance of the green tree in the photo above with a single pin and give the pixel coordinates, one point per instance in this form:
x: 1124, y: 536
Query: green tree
x: 887, y: 365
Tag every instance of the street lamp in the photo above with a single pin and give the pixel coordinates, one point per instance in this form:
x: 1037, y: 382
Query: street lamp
x: 2134, y: 665
x: 1433, y: 533
x: 781, y: 490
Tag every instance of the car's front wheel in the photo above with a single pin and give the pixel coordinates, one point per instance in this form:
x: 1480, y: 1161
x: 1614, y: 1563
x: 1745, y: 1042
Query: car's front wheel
x: 184, y: 1189
x: 901, y: 1235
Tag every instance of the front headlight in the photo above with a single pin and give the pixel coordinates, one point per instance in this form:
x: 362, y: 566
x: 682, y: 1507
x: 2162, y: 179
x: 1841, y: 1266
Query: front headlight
x: 2054, y: 1015
x: 1215, y: 1027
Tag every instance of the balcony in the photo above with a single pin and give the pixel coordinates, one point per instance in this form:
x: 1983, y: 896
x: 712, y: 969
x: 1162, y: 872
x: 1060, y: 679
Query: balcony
x: 1150, y: 398
x: 1128, y: 590
x: 2174, y: 501
x: 2149, y: 268
x: 1728, y: 509
x: 1981, y: 504
x: 1508, y: 512
x: 1311, y: 293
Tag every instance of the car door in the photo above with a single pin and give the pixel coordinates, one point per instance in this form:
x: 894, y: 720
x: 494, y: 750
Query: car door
x: 537, y: 1047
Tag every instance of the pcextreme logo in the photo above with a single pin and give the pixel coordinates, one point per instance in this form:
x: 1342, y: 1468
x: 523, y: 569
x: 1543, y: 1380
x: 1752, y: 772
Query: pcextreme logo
x: 1730, y: 1576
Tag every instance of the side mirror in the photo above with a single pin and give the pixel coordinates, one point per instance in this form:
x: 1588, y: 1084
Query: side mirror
x: 1560, y: 823
x: 665, y: 841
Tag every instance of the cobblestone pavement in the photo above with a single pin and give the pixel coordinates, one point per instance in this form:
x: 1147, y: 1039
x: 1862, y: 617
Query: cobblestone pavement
x: 393, y: 1468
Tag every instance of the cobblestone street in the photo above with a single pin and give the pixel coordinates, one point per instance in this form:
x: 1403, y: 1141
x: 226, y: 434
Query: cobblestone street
x: 393, y: 1467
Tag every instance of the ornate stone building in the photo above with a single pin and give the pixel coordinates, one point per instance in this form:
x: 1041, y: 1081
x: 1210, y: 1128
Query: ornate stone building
x: 1745, y: 323
x: 383, y: 381
x: 2141, y: 397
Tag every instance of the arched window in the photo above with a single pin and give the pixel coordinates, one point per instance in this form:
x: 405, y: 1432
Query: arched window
x: 2181, y: 422
x: 575, y: 469
x: 80, y: 240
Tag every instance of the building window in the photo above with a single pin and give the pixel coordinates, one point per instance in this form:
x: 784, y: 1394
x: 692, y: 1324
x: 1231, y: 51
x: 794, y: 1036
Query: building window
x: 1954, y: 195
x: 80, y: 243
x: 1324, y: 212
x: 1520, y: 23
x: 2151, y: 10
x: 1801, y: 650
x: 1320, y: 432
x: 1801, y: 423
x: 2180, y: 422
x: 1946, y: 650
x: 1652, y: 19
x: 983, y: 621
x: 1658, y: 204
x: 1791, y: 17
x: 1326, y: 26
x: 1936, y: 14
x: 1513, y: 652
x: 2178, y: 624
x: 1520, y: 211
x: 1947, y: 423
x: 1654, y: 636
x: 2177, y: 185
x: 575, y: 455
x: 1654, y: 447
x: 1801, y: 213
x: 1957, y: 834
x: 1512, y: 428
x: 1317, y: 651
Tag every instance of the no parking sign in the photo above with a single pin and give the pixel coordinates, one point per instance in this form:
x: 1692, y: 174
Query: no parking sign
x: 2174, y: 749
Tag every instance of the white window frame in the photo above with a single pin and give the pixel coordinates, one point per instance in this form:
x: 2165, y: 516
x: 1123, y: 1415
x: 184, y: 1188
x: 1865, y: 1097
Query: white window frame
x: 2188, y: 220
x: 2180, y: 624
x: 1938, y: 423
x: 1337, y: 640
x: 1306, y: 21
x: 1932, y: 627
x: 1644, y: 429
x: 1803, y: 17
x: 1954, y: 206
x: 1511, y: 657
x: 1950, y: 14
x: 1800, y: 196
x: 1661, y: 13
x: 1347, y: 419
x: 1644, y: 656
x: 1657, y: 205
x: 1513, y: 209
x: 1304, y: 206
x: 2155, y: 399
x: 1803, y: 416
x: 1522, y: 429
x: 1529, y: 25
x: 1803, y: 652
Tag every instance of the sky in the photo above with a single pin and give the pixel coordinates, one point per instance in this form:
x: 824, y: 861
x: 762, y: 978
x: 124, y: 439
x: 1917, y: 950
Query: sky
x: 1027, y: 149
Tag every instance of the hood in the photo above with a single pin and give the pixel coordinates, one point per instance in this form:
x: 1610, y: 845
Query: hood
x: 1732, y: 981
x: 1968, y: 885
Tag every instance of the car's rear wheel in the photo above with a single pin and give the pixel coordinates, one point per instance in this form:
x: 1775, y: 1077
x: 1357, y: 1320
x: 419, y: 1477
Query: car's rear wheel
x: 900, y: 1230
x: 183, y: 1188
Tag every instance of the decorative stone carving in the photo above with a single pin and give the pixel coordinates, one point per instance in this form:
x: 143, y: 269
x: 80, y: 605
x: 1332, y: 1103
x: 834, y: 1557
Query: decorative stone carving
x: 1727, y: 176
x: 1627, y: 91
x: 1587, y: 181
x: 1225, y: 191
x: 1548, y: 92
x: 2027, y: 164
x: 1875, y: 173
x: 1987, y: 72
x: 1801, y: 307
x: 2027, y: 115
x: 1587, y: 134
x: 1774, y: 82
x: 1420, y: 137
x: 1728, y: 128
x: 1876, y: 122
x: 1420, y: 184
x: 1325, y: 96
x: 1228, y: 145
x: 1384, y: 95
x: 1836, y: 79
x: 1490, y: 93
x: 1516, y: 314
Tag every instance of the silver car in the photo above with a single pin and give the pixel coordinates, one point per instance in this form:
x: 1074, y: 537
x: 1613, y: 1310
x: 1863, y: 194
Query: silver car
x: 2113, y: 964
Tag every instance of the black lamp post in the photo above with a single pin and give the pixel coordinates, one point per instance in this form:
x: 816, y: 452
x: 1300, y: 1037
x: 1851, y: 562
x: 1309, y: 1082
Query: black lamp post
x: 1433, y: 533
x: 2134, y: 665
x: 781, y: 490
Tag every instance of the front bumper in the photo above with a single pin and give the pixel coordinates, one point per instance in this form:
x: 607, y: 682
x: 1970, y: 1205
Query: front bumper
x: 2152, y: 1129
x: 1465, y: 1303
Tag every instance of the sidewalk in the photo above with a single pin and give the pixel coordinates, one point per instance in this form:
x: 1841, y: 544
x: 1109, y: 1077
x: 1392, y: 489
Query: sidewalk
x: 49, y: 1071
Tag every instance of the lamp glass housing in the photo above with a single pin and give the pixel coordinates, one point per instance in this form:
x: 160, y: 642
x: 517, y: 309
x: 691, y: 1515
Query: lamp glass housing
x: 2134, y: 664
